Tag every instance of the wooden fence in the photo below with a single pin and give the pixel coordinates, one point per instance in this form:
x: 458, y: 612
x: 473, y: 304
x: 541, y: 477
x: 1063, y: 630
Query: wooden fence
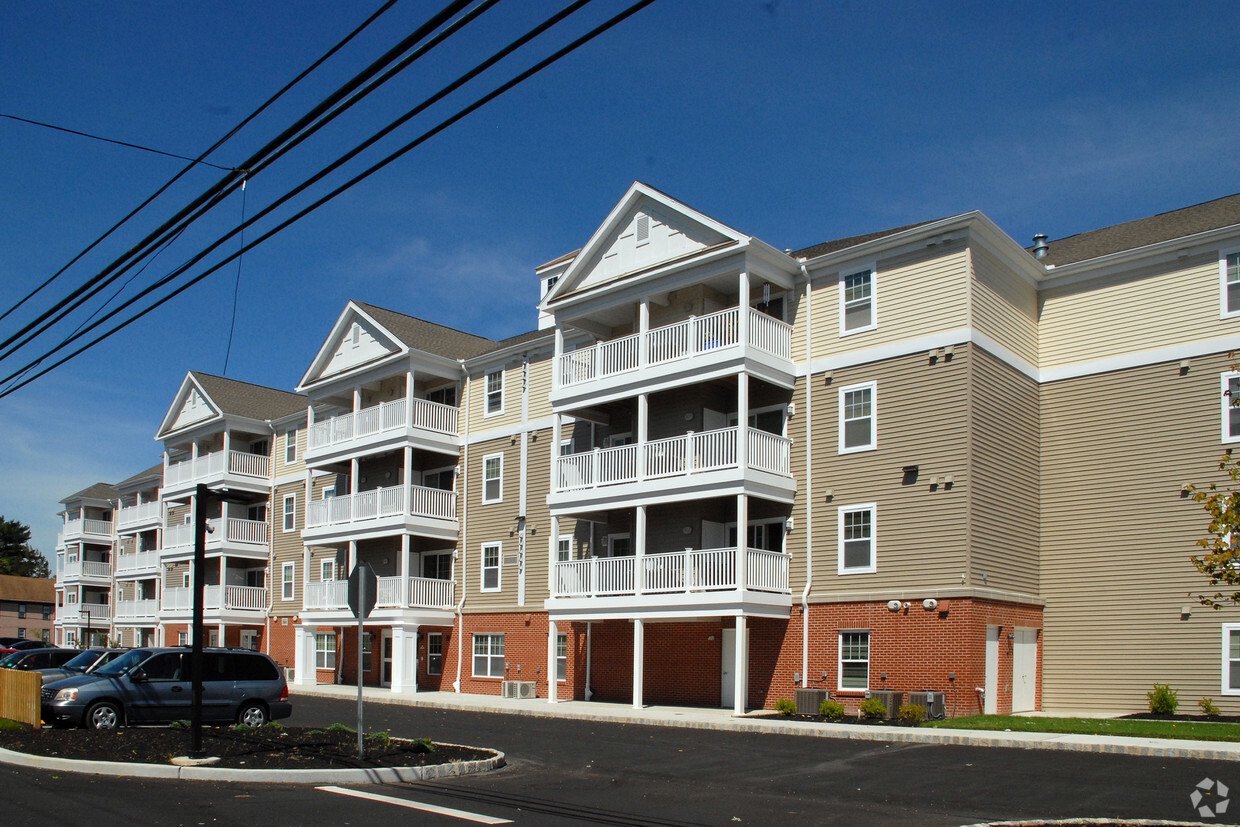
x: 19, y: 696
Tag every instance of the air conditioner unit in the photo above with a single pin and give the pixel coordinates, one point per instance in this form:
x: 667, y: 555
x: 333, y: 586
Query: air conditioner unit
x: 890, y: 699
x: 934, y: 702
x: 809, y: 700
x: 519, y: 689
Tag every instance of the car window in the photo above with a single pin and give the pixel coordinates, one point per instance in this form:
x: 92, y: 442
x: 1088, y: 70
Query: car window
x: 124, y: 663
x: 37, y: 661
x: 82, y: 660
x: 10, y: 659
x: 164, y: 667
x: 58, y: 658
x: 215, y: 667
x: 253, y: 668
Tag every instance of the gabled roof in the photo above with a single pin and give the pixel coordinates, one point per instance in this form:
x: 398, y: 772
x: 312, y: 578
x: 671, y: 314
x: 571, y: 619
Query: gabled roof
x: 154, y: 473
x: 228, y: 397
x: 852, y: 241
x: 428, y: 337
x: 1200, y: 218
x: 98, y: 491
x: 27, y: 589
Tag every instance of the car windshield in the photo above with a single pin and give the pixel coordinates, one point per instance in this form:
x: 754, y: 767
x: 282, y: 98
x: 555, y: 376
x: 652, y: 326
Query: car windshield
x: 10, y: 659
x: 82, y: 661
x: 124, y: 663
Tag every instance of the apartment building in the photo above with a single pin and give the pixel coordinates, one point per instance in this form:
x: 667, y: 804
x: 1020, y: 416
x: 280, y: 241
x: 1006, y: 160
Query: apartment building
x: 136, y: 583
x: 26, y: 607
x: 719, y: 472
x: 84, y: 551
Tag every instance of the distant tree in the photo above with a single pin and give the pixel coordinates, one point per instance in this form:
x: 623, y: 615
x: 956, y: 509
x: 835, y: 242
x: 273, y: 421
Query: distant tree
x: 16, y: 554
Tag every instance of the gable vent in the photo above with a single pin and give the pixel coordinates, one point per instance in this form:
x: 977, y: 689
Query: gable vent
x: 643, y: 228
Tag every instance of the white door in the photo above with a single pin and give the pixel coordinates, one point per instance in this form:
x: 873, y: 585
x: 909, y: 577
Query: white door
x: 727, y: 677
x: 990, y: 705
x: 385, y: 675
x: 1024, y: 669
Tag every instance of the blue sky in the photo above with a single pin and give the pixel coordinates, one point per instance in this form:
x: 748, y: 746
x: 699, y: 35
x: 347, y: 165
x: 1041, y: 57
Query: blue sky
x: 796, y: 122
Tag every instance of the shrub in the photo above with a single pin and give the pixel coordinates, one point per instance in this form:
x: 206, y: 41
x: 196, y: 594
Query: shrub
x: 1207, y: 707
x: 422, y: 745
x: 1163, y: 700
x: 831, y: 710
x: 873, y: 708
x: 178, y: 725
x: 273, y: 726
x: 341, y: 728
x: 785, y: 706
x: 913, y: 713
x: 379, y: 740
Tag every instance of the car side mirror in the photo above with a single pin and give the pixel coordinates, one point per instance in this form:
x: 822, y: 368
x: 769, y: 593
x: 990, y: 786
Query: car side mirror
x: 138, y: 676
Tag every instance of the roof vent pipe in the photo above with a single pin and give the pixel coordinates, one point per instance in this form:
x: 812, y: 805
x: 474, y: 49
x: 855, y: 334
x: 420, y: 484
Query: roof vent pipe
x: 1040, y: 246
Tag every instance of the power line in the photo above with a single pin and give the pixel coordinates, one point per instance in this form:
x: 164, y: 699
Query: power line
x: 114, y: 141
x: 477, y: 104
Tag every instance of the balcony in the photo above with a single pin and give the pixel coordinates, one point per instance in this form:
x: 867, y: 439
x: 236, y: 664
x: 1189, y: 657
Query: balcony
x: 246, y: 538
x: 146, y: 609
x: 665, y: 356
x: 236, y: 468
x: 430, y: 512
x: 99, y: 571
x: 136, y: 564
x: 84, y: 613
x: 667, y: 466
x: 85, y: 531
x: 393, y: 593
x: 425, y: 424
x: 219, y: 600
x: 135, y: 517
x: 693, y: 580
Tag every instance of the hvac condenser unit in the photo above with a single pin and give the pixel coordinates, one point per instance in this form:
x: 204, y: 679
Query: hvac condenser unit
x: 934, y: 702
x: 890, y: 698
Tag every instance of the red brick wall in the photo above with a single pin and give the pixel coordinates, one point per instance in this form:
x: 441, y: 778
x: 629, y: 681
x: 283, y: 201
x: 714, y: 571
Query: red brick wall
x: 281, y: 642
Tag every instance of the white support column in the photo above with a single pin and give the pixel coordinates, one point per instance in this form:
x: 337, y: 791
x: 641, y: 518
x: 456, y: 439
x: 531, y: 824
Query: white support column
x: 407, y: 494
x: 639, y: 549
x: 303, y: 656
x: 557, y: 436
x: 742, y: 542
x: 639, y: 646
x: 555, y: 361
x: 643, y: 329
x: 352, y: 555
x: 589, y: 658
x: 552, y: 696
x: 742, y: 321
x: 404, y: 571
x: 643, y: 433
x: 353, y: 469
x: 740, y: 692
x: 409, y: 397
x: 357, y: 402
x: 742, y: 421
x: 555, y: 555
x: 305, y: 574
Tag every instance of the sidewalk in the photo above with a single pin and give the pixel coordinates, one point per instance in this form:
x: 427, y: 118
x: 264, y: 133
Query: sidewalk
x: 767, y: 721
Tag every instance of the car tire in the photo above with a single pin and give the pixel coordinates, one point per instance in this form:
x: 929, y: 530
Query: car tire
x: 104, y: 716
x: 252, y: 714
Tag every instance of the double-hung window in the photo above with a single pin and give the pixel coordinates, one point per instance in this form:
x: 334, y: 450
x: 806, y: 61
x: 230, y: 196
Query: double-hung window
x: 1229, y: 287
x: 286, y: 581
x: 854, y: 661
x: 493, y: 478
x: 858, y: 419
x: 561, y: 656
x: 857, y: 302
x: 495, y: 393
x: 290, y: 512
x: 1230, y: 393
x: 491, y: 554
x: 327, y: 570
x: 488, y: 656
x: 290, y: 447
x: 325, y: 651
x: 856, y: 539
x: 1231, y: 659
x: 434, y: 653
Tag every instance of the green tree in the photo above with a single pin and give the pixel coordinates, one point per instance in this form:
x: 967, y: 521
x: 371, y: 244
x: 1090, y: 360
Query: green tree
x: 16, y: 554
x: 1220, y: 560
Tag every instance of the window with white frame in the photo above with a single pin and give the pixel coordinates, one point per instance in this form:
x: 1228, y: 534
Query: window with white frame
x: 491, y: 556
x: 327, y: 570
x: 488, y: 656
x: 286, y: 580
x: 434, y: 653
x: 857, y: 301
x: 367, y: 646
x: 182, y: 638
x: 437, y: 566
x: 767, y: 535
x: 1229, y: 288
x: 858, y: 423
x: 290, y: 447
x: 185, y: 580
x: 445, y: 395
x: 495, y: 393
x: 1230, y: 410
x: 854, y: 661
x: 442, y: 479
x: 325, y: 651
x: 493, y: 478
x: 564, y: 550
x: 1231, y: 659
x: 290, y: 511
x: 856, y: 539
x: 561, y: 656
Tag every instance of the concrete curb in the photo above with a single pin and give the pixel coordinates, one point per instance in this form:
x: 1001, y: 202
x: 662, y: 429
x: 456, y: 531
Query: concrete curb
x: 377, y: 775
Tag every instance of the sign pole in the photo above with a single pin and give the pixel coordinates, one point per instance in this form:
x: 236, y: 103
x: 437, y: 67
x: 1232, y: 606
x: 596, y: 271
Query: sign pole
x: 361, y: 622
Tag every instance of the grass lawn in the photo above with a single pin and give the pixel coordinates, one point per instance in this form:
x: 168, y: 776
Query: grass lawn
x: 1137, y: 728
x: 5, y: 723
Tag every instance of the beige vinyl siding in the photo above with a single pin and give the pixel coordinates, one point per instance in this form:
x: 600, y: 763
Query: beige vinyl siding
x: 493, y: 523
x: 1003, y: 469
x: 540, y: 386
x: 921, y: 421
x: 298, y: 466
x: 286, y: 547
x: 537, y: 518
x: 915, y: 295
x: 1117, y: 536
x: 796, y: 541
x: 1004, y: 306
x: 479, y: 421
x: 1138, y: 310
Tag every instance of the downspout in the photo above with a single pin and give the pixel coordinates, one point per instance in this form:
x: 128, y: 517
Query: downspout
x: 464, y: 544
x: 809, y: 478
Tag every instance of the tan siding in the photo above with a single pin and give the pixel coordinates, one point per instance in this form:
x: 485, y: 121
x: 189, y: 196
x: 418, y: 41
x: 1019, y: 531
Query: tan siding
x: 298, y: 465
x: 921, y: 421
x: 286, y: 547
x: 1136, y: 311
x: 512, y: 400
x: 493, y: 523
x: 1117, y: 536
x: 540, y: 387
x: 915, y: 296
x: 538, y: 519
x: 1005, y: 306
x: 1004, y: 470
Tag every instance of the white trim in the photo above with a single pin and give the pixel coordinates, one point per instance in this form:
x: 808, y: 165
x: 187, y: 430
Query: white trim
x: 872, y: 387
x: 1223, y: 311
x: 288, y: 577
x: 839, y: 660
x: 499, y: 568
x: 872, y: 269
x: 853, y: 509
x: 486, y: 392
x: 555, y: 551
x: 1140, y: 359
x: 1224, y: 686
x: 963, y: 335
x: 285, y: 514
x: 290, y: 444
x: 485, y: 460
x: 546, y: 423
x: 558, y: 637
x: 327, y: 570
x: 1225, y: 406
x: 473, y: 638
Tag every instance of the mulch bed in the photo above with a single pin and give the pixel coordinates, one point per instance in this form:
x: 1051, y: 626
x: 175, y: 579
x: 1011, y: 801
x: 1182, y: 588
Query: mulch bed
x: 263, y: 748
x: 847, y: 719
x: 1151, y: 716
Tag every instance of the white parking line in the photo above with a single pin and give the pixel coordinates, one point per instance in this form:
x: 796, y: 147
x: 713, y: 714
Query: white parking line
x: 417, y: 805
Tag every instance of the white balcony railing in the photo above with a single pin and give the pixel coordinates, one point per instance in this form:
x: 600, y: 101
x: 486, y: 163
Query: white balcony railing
x: 393, y: 592
x: 138, y: 561
x: 86, y: 568
x: 383, y: 418
x: 675, y: 342
x: 326, y: 594
x: 676, y: 456
x: 379, y: 503
x: 238, y: 598
x: 212, y: 466
x: 82, y: 612
x: 144, y: 609
x: 132, y: 515
x: 691, y: 570
x: 79, y: 528
x: 251, y: 532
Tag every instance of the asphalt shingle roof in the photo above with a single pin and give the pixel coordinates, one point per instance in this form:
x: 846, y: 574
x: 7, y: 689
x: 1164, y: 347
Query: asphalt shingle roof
x: 98, y: 491
x: 27, y: 589
x: 156, y: 470
x: 245, y: 399
x: 429, y: 337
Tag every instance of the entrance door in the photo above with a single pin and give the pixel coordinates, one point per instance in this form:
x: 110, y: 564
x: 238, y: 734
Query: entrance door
x: 1024, y: 669
x: 990, y: 704
x: 385, y: 678
x: 727, y: 672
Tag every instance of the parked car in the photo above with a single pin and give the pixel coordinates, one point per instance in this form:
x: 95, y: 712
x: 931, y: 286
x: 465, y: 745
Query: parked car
x: 83, y: 663
x: 154, y: 685
x: 22, y: 644
x: 32, y: 659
